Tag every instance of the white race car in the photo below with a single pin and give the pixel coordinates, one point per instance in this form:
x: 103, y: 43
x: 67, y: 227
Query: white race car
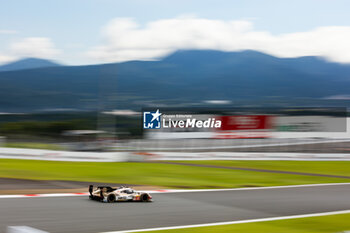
x: 109, y: 194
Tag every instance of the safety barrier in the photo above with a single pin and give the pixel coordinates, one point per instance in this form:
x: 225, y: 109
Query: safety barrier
x: 34, y: 154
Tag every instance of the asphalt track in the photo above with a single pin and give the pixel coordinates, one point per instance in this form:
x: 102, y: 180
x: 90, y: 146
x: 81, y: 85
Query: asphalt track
x: 79, y: 214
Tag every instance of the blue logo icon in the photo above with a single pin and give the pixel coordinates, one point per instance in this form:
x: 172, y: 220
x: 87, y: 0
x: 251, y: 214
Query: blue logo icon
x: 151, y: 120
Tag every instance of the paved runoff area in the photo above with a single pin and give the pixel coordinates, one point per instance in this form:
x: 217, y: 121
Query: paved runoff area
x: 79, y: 214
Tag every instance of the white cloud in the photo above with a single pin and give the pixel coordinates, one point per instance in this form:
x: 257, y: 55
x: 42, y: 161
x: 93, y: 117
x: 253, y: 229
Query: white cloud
x: 4, y: 31
x: 41, y: 47
x: 125, y: 39
x: 6, y: 59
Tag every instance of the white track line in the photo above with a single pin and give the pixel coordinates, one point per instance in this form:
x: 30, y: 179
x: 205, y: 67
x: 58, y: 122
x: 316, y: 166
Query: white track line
x: 176, y: 190
x: 242, y: 189
x: 236, y: 222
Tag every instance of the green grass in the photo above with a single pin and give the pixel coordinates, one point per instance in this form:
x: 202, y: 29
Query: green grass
x: 32, y: 145
x: 322, y: 167
x: 325, y: 224
x: 166, y: 175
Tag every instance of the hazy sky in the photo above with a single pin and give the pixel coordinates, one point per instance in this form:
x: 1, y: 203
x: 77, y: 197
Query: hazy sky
x: 96, y: 31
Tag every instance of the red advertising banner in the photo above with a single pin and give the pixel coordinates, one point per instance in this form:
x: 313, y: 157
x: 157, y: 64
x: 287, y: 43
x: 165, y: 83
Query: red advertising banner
x: 246, y: 122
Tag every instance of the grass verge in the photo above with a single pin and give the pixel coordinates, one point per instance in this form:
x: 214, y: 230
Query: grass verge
x: 153, y: 174
x: 325, y: 224
x: 322, y: 167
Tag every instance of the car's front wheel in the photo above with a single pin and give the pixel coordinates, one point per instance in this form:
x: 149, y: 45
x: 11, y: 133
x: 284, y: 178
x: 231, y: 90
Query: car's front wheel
x: 144, y: 198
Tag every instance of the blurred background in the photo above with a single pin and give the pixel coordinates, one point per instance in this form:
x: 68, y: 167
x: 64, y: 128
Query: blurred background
x: 76, y: 77
x: 243, y: 130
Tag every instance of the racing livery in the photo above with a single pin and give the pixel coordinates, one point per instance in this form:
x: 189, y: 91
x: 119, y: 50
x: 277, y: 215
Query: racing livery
x: 109, y: 194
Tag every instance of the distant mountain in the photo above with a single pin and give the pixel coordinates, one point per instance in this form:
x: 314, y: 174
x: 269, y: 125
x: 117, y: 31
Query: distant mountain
x: 28, y: 63
x: 184, y: 77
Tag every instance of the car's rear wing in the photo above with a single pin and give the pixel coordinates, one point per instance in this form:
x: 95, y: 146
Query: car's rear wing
x: 91, y: 188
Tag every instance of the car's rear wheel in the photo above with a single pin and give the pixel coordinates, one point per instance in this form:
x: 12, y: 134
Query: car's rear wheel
x: 111, y: 198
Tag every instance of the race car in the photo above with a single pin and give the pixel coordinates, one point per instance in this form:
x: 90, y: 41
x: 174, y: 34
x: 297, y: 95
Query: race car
x: 109, y: 194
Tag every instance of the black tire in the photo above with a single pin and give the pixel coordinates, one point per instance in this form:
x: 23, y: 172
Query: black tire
x: 111, y: 198
x: 144, y: 198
